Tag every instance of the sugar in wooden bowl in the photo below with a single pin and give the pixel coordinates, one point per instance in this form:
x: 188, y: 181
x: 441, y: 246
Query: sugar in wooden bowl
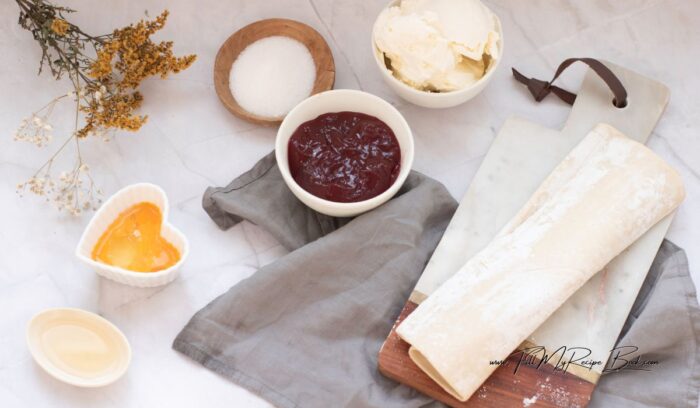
x: 264, y: 69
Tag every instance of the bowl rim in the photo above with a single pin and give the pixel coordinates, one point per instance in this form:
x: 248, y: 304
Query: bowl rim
x: 68, y: 378
x: 322, y: 56
x: 371, y: 202
x: 166, y: 224
x: 376, y: 52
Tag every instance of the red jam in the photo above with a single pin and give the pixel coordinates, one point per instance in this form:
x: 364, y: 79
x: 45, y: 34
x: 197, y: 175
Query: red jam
x: 344, y: 156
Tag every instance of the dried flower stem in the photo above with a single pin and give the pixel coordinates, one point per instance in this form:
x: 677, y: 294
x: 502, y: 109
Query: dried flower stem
x: 105, y: 82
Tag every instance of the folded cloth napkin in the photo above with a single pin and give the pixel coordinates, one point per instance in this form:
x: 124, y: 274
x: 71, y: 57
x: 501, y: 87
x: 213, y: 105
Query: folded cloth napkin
x: 305, y: 330
x: 664, y: 325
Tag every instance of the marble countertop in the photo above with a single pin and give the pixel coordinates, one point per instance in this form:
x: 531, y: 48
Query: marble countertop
x: 191, y: 142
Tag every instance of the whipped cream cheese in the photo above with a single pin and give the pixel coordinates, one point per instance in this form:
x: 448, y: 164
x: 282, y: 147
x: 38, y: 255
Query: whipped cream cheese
x: 438, y: 45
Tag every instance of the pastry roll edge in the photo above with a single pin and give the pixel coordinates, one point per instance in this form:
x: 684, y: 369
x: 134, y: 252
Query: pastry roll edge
x: 605, y: 194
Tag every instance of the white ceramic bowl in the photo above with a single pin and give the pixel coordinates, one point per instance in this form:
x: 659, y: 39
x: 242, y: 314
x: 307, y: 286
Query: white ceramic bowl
x: 81, y: 325
x: 108, y: 212
x: 435, y: 99
x: 337, y: 101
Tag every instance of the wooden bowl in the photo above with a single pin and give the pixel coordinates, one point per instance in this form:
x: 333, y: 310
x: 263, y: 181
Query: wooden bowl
x: 232, y: 47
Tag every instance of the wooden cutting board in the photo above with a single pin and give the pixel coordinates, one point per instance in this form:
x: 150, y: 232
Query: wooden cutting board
x: 520, y: 158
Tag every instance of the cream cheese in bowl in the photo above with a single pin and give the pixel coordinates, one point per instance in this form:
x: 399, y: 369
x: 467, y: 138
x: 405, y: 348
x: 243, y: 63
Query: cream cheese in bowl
x: 428, y: 49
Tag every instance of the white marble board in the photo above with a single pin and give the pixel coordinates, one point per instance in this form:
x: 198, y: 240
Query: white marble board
x: 522, y: 155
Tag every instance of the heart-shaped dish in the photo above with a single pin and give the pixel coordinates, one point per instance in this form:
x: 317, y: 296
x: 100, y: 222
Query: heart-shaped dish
x: 105, y: 216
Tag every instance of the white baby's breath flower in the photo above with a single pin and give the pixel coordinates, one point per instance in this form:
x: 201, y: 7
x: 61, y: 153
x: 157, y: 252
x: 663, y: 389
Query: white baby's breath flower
x: 72, y: 191
x: 34, y: 130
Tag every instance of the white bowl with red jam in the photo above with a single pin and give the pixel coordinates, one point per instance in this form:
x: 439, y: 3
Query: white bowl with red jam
x: 344, y: 152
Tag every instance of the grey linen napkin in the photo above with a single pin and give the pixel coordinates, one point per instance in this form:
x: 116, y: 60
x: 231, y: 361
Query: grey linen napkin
x: 665, y: 325
x: 305, y: 330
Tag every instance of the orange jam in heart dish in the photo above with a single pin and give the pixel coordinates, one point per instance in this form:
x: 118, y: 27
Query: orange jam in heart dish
x: 133, y: 241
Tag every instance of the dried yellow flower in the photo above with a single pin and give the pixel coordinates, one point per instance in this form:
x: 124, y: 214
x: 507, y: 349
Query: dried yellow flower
x: 112, y: 111
x: 105, y: 91
x: 122, y: 63
x: 59, y: 26
x: 135, y: 56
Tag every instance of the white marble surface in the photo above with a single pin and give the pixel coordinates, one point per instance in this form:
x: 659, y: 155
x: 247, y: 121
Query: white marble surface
x: 192, y: 142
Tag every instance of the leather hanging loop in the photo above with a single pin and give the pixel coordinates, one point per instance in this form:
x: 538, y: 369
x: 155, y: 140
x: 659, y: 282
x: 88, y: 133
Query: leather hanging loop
x: 540, y: 89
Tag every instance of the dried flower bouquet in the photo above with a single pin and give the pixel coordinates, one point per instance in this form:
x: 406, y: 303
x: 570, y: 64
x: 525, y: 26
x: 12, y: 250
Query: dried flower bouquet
x: 105, y: 72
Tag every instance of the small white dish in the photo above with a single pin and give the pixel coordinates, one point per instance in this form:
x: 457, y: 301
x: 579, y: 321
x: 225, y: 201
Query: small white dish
x: 78, y: 347
x: 105, y: 216
x: 340, y: 100
x: 435, y: 100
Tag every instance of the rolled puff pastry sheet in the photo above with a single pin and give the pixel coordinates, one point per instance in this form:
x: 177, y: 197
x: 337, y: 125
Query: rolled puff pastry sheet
x: 604, y: 195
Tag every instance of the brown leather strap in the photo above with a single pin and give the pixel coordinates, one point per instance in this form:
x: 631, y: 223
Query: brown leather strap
x: 540, y: 89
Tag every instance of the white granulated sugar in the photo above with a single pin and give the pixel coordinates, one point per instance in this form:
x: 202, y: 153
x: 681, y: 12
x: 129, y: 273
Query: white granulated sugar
x: 272, y: 75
